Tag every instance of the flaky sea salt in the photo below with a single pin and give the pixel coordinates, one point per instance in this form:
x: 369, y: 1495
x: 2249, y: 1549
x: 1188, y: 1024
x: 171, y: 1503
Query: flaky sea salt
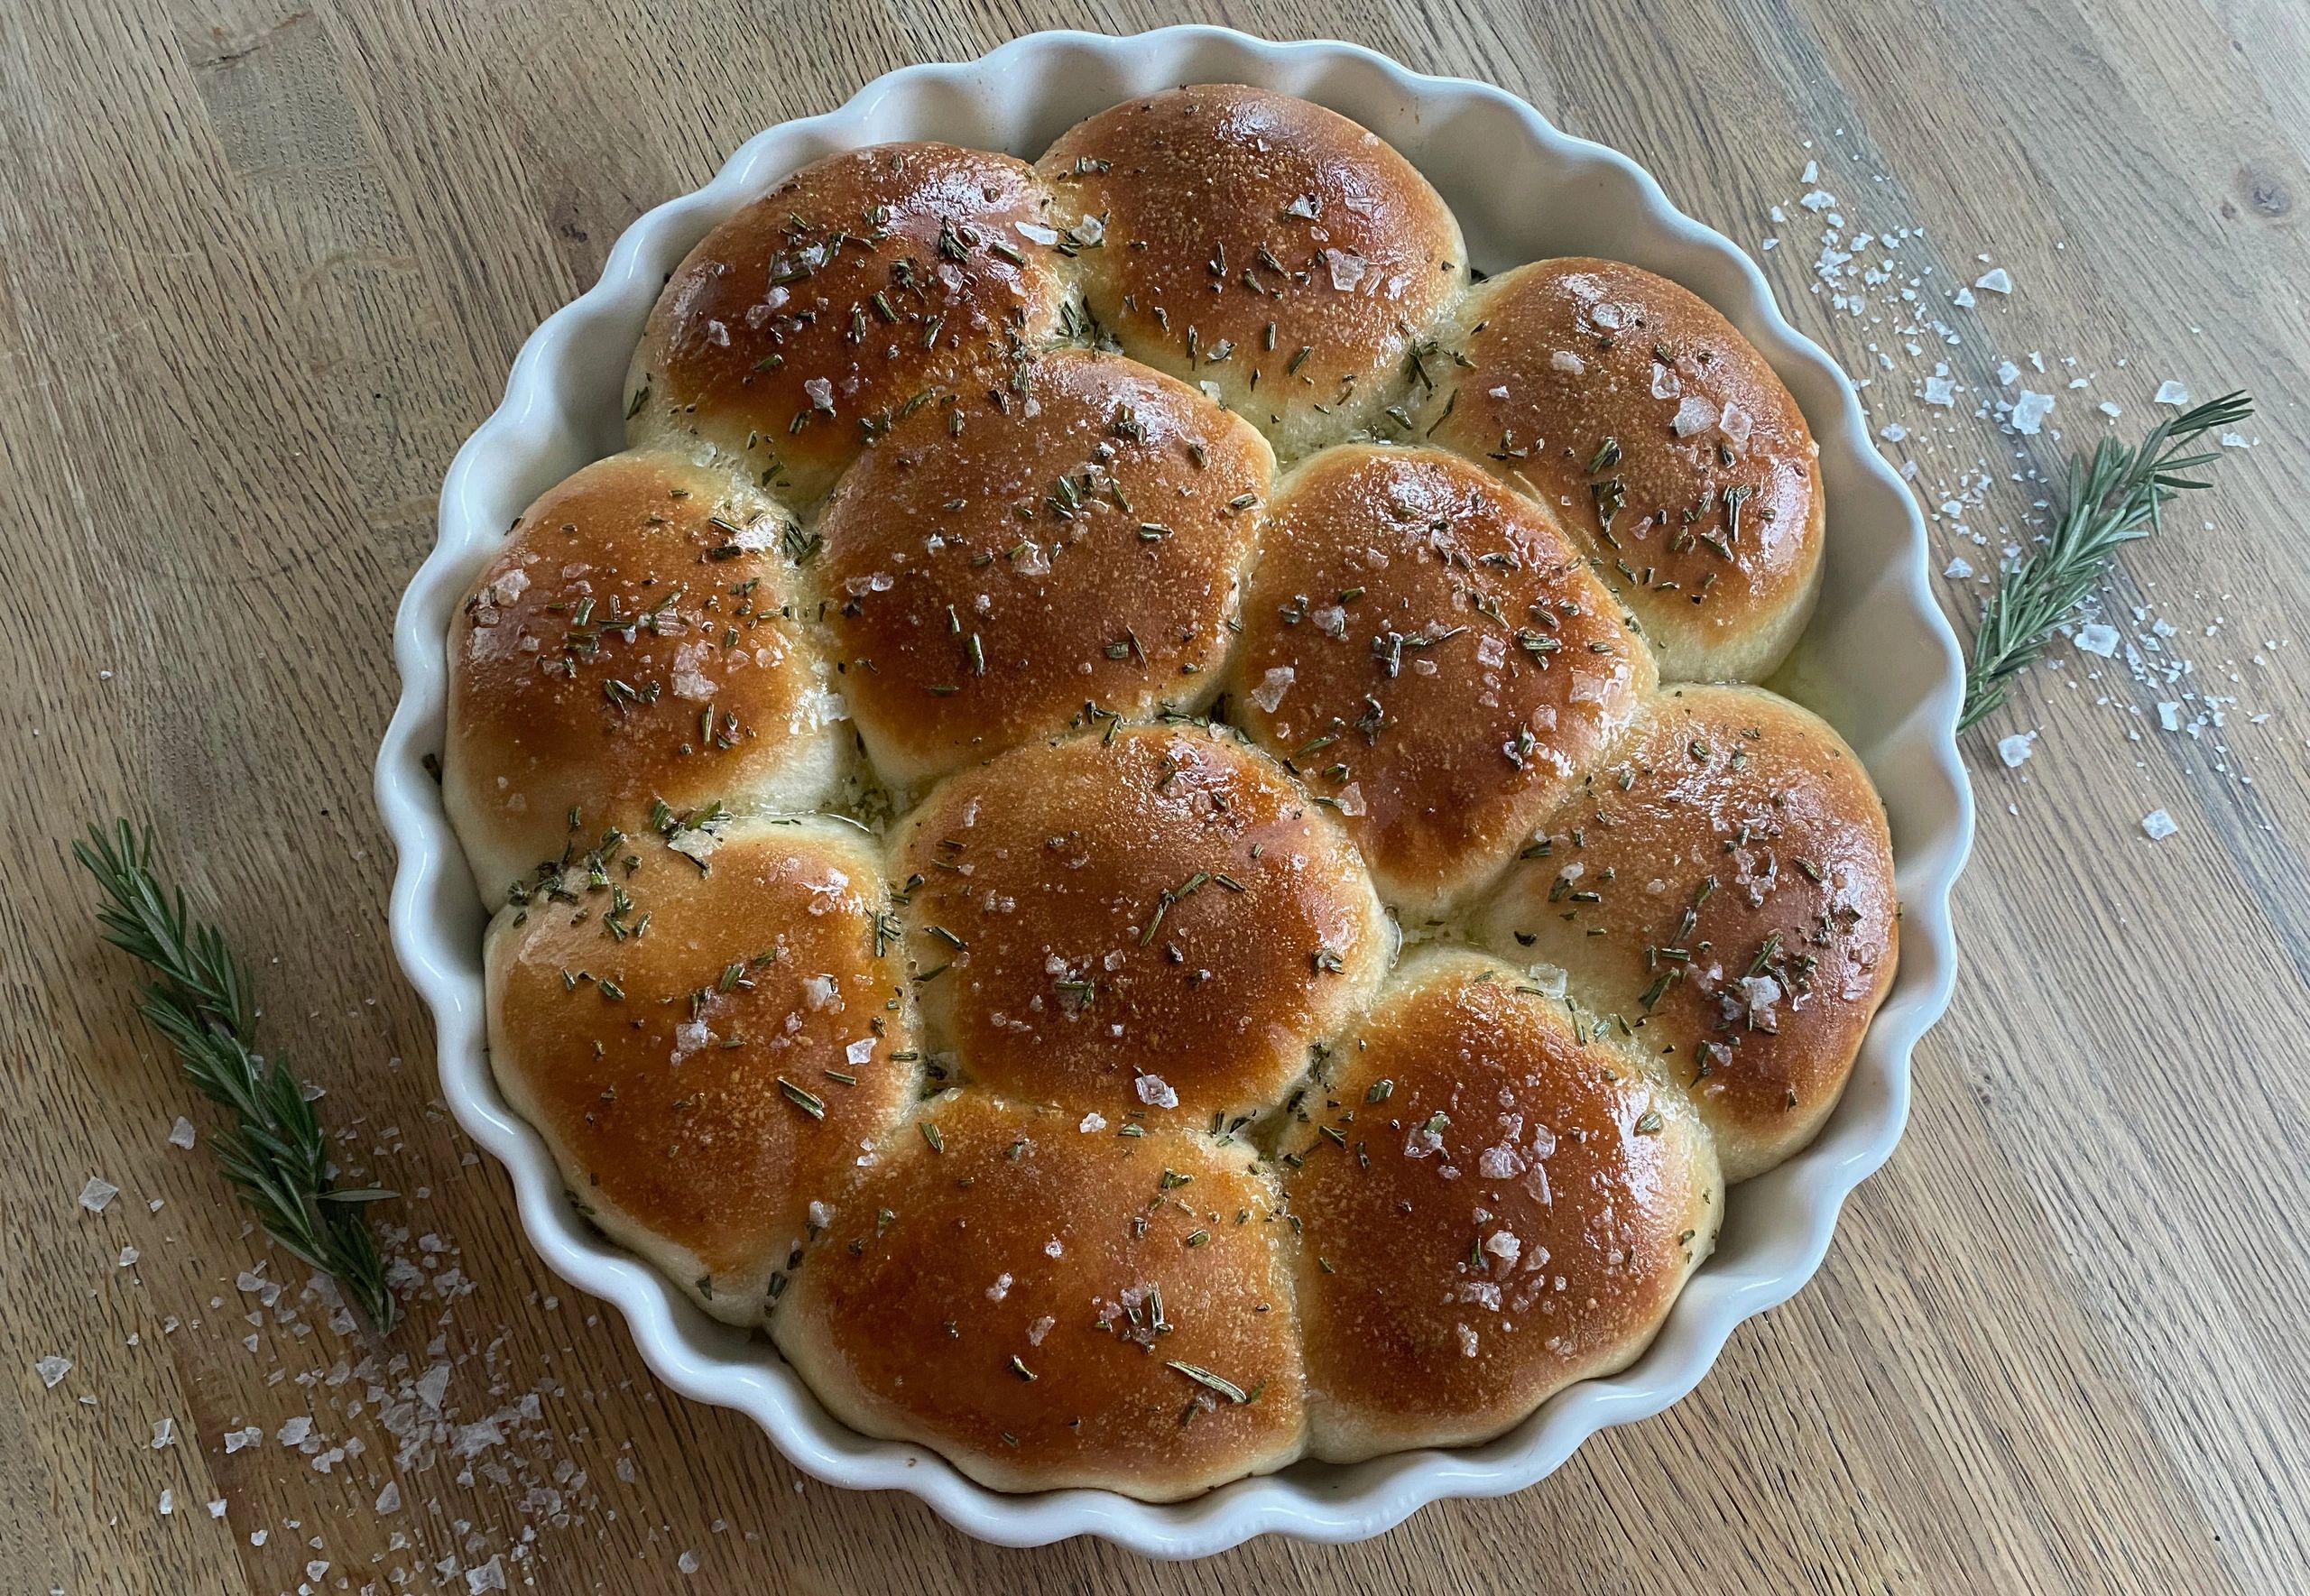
x: 2030, y: 409
x: 2157, y: 825
x: 51, y: 1370
x: 1155, y: 1091
x: 1997, y: 279
x: 2171, y: 392
x: 1941, y: 391
x: 1094, y: 1121
x: 2095, y: 638
x: 181, y: 1134
x: 2016, y: 750
x: 1958, y: 567
x: 1271, y: 686
x: 389, y: 1498
x: 98, y: 1195
x: 1694, y: 414
x: 1348, y: 269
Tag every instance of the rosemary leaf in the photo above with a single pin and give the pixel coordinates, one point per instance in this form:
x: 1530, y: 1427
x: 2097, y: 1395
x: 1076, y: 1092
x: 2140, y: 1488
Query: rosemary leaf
x: 2116, y: 497
x: 275, y: 1152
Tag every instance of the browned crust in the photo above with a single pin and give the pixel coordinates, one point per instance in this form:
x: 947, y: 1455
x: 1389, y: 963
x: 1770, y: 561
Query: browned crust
x: 631, y: 602
x: 676, y: 1034
x: 992, y: 567
x: 1488, y: 1211
x: 1021, y: 1297
x: 1229, y: 211
x: 1094, y: 967
x: 1748, y: 837
x: 789, y: 335
x: 1562, y: 391
x: 1454, y: 668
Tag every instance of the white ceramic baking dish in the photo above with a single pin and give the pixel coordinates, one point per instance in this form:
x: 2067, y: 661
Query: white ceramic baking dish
x: 1878, y: 661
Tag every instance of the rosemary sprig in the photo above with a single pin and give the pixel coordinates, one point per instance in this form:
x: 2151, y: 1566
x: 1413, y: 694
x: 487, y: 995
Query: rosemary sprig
x: 2117, y: 498
x: 275, y: 1152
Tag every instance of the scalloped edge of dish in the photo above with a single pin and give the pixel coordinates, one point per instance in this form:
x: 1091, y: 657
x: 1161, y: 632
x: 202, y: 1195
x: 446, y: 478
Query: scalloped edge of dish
x: 1878, y: 660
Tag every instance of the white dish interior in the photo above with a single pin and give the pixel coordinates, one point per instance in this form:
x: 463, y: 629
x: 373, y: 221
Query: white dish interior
x: 1878, y: 661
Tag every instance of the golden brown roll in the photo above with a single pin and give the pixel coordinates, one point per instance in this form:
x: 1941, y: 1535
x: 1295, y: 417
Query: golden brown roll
x: 631, y: 643
x: 992, y: 567
x: 873, y: 279
x: 1726, y: 887
x: 1153, y: 924
x: 1489, y: 1209
x: 710, y: 1046
x: 1053, y: 1306
x: 1264, y: 246
x: 1424, y: 649
x: 1635, y: 412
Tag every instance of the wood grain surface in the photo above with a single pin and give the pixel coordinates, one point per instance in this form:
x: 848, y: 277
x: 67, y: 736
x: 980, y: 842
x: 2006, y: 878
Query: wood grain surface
x: 264, y: 265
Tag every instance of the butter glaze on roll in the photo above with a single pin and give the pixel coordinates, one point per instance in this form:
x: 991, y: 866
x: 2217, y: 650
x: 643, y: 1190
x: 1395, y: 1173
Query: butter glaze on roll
x: 1489, y: 1209
x: 711, y: 1054
x: 1264, y: 245
x: 1155, y: 924
x: 628, y: 605
x: 1424, y: 648
x: 993, y: 567
x: 1049, y: 1306
x: 795, y: 330
x: 1733, y: 902
x: 1632, y: 409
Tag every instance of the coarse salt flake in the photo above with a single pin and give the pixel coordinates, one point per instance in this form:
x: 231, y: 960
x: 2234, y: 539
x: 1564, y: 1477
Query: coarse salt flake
x: 1273, y: 686
x: 1694, y: 414
x: 2170, y: 392
x: 98, y: 1195
x: 2016, y: 750
x: 51, y: 1370
x: 1155, y: 1091
x: 1997, y: 279
x: 181, y: 1134
x: 2095, y: 638
x: 2157, y: 825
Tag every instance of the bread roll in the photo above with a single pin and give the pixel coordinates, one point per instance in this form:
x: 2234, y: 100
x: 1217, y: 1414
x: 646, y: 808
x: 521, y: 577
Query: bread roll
x: 1421, y: 645
x: 993, y: 567
x: 1052, y: 1305
x: 873, y: 279
x: 1726, y: 887
x: 1633, y: 410
x: 710, y: 1047
x: 1265, y: 247
x: 632, y: 643
x: 1156, y: 923
x: 1488, y: 1208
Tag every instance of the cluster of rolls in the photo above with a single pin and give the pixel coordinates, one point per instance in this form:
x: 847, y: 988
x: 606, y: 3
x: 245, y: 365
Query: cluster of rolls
x: 1131, y: 820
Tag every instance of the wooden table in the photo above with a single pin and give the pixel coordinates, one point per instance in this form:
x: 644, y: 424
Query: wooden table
x: 262, y: 267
